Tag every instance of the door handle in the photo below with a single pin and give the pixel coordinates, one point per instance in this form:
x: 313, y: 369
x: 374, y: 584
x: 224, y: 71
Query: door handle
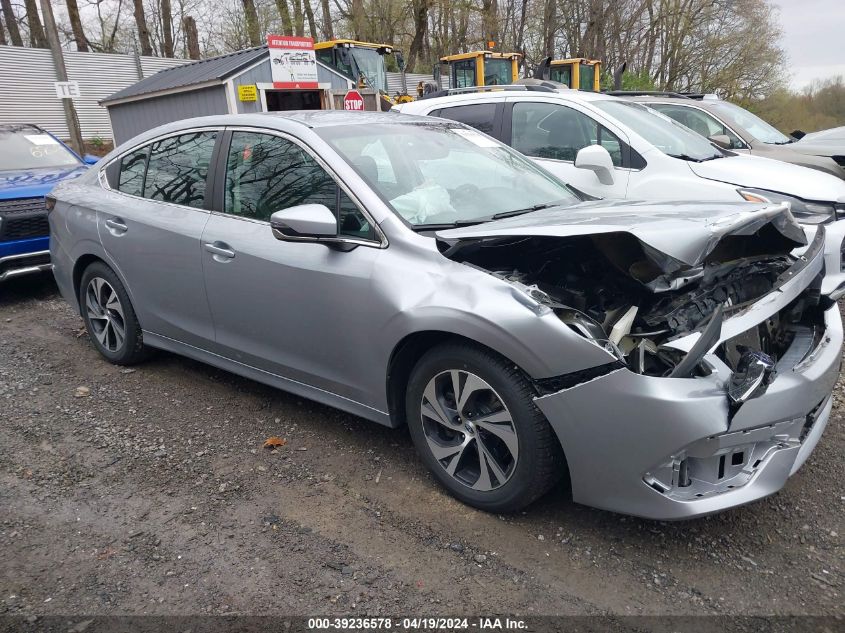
x: 220, y: 252
x: 116, y: 226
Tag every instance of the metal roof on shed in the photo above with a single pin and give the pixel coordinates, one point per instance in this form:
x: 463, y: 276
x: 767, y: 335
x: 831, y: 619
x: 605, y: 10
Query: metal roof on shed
x: 195, y: 73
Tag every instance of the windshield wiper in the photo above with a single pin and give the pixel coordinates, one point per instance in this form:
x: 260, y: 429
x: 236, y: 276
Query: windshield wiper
x: 516, y: 212
x: 442, y: 226
x: 686, y: 157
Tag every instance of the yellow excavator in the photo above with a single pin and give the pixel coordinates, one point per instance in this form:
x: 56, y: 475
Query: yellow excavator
x: 578, y: 73
x: 479, y: 68
x: 364, y: 63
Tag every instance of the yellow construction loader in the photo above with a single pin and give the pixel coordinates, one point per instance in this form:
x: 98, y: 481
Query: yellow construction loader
x: 364, y: 63
x: 578, y: 73
x: 479, y: 68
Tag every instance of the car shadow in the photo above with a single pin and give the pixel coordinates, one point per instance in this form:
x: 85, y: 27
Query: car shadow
x: 35, y: 287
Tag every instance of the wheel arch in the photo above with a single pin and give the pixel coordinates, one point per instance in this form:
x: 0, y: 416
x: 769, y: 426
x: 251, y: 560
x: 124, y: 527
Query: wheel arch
x: 79, y: 268
x: 407, y: 353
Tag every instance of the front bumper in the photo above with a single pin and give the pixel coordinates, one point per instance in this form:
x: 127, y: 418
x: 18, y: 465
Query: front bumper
x: 24, y: 257
x: 622, y: 431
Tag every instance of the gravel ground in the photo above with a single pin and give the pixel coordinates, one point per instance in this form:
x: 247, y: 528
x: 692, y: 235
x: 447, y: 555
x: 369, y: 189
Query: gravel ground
x: 147, y: 491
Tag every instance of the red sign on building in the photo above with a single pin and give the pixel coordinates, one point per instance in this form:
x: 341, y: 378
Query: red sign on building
x: 293, y: 62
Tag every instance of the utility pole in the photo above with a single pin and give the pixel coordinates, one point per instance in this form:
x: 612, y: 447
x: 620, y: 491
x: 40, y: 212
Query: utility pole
x: 61, y: 74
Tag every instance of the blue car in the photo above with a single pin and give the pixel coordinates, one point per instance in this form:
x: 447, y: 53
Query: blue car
x: 32, y: 162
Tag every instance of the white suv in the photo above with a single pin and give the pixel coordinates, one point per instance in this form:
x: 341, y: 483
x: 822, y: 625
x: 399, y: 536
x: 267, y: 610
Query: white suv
x: 613, y: 148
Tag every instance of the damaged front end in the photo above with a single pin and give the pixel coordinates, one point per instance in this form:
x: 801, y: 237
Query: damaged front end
x: 700, y: 318
x: 617, y: 288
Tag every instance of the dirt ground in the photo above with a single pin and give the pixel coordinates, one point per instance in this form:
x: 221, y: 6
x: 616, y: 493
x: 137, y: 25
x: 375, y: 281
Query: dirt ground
x: 147, y: 491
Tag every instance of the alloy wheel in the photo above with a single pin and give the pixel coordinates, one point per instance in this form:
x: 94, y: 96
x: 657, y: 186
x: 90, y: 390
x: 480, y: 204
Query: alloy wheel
x: 105, y: 314
x: 469, y: 430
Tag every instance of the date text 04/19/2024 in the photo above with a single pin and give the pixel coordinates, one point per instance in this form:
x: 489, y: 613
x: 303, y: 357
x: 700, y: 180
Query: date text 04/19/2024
x: 420, y: 623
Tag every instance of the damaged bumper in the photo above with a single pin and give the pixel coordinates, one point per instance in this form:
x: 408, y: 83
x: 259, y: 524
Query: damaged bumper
x: 671, y: 448
x: 834, y: 257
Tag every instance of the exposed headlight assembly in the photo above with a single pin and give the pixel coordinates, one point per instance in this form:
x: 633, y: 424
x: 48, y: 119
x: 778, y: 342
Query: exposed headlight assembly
x: 806, y: 212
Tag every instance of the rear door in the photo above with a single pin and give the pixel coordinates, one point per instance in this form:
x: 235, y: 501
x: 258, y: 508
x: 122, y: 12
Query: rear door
x: 150, y: 224
x: 552, y: 134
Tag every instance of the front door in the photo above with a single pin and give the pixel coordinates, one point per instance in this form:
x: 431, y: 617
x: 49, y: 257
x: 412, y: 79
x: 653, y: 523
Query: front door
x: 293, y: 309
x: 552, y: 134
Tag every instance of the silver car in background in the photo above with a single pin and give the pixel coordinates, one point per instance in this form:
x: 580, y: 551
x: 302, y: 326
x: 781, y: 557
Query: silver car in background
x: 673, y: 359
x: 735, y: 128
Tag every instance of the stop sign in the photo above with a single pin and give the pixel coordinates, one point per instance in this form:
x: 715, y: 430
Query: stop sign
x: 353, y: 101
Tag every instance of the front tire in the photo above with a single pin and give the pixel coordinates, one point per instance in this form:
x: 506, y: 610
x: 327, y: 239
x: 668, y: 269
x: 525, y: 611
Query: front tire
x: 109, y: 316
x: 472, y: 418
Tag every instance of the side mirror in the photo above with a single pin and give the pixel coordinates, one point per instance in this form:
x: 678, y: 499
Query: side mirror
x: 597, y: 159
x: 90, y: 159
x: 798, y: 134
x: 304, y: 223
x: 722, y: 140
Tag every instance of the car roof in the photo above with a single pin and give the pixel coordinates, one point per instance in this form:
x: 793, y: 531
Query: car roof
x: 662, y: 99
x: 277, y: 120
x: 486, y: 95
x: 326, y: 118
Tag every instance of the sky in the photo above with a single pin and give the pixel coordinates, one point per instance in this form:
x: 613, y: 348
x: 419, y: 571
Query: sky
x: 813, y: 38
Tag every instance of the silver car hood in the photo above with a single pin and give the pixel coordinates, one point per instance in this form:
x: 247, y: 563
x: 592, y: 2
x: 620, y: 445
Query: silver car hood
x: 674, y: 235
x: 772, y: 175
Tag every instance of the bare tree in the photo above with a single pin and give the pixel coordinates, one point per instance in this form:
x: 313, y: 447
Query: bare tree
x: 192, y: 42
x: 284, y: 13
x: 167, y: 28
x: 298, y: 19
x: 252, y: 29
x: 328, y: 31
x: 490, y: 21
x: 37, y: 38
x: 420, y: 10
x: 11, y: 23
x: 309, y: 15
x: 143, y: 29
x: 76, y: 26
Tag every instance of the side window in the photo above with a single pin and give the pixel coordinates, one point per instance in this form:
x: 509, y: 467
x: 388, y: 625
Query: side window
x: 266, y: 173
x: 700, y: 122
x: 178, y: 167
x: 548, y: 130
x: 131, y: 174
x: 480, y: 115
x: 464, y: 73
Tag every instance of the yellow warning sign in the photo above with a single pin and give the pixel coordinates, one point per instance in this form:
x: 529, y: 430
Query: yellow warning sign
x: 248, y: 93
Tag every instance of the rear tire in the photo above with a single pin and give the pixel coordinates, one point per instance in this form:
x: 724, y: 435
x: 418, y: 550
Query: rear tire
x: 109, y: 316
x: 472, y: 417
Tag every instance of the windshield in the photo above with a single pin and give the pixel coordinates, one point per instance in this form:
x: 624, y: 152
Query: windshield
x: 25, y: 147
x: 444, y: 174
x: 756, y: 126
x: 498, y: 72
x: 371, y: 65
x: 668, y: 136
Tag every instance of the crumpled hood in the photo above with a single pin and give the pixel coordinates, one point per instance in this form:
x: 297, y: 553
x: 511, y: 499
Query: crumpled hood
x: 31, y: 183
x: 772, y: 175
x: 674, y: 235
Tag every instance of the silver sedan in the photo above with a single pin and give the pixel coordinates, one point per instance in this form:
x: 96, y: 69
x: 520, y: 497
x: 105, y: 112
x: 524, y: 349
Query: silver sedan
x: 669, y: 360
